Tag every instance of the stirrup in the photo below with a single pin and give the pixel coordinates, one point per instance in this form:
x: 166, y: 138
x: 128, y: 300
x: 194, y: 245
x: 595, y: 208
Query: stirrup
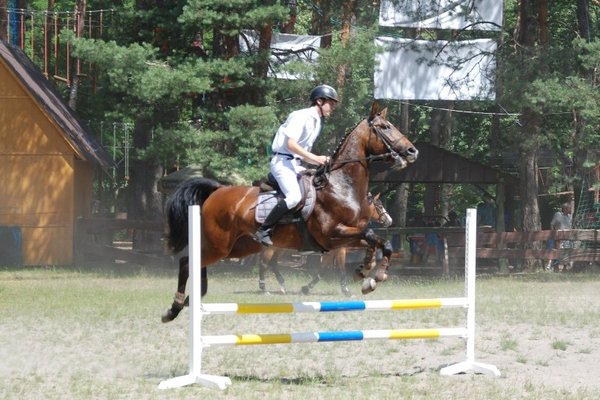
x: 264, y: 237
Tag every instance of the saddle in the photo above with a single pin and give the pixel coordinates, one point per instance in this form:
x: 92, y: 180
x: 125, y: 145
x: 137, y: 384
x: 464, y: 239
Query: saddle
x: 270, y: 193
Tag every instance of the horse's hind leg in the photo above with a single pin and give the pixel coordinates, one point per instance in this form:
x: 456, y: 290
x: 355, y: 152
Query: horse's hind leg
x: 315, y: 279
x: 268, y: 260
x: 278, y: 276
x: 180, y: 300
x: 262, y: 268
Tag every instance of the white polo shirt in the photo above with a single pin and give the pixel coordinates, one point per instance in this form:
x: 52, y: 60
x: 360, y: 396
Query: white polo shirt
x: 303, y: 125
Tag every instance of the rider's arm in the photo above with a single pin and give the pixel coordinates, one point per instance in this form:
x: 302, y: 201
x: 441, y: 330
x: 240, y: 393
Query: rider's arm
x: 309, y: 157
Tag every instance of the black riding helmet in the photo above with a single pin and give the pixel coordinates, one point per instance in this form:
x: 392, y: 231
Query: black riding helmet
x: 323, y: 92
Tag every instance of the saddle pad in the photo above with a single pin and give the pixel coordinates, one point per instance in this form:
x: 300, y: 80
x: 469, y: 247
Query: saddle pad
x: 267, y: 200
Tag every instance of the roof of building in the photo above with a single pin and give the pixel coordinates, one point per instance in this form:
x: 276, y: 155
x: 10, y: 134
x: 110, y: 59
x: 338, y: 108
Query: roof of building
x: 437, y: 165
x: 49, y: 99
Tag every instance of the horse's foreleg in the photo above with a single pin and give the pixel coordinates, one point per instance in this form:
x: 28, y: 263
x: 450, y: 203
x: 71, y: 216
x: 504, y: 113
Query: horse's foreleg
x: 381, y: 274
x: 375, y: 242
x: 341, y: 264
x: 365, y: 268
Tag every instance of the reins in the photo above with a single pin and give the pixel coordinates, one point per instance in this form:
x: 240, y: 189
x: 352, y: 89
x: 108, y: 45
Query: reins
x: 321, y: 172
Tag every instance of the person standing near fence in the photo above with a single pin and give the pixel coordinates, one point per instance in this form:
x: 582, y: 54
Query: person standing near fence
x: 561, y: 220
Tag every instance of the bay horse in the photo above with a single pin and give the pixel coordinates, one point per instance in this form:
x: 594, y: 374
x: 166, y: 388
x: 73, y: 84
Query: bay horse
x: 339, y: 218
x: 337, y: 257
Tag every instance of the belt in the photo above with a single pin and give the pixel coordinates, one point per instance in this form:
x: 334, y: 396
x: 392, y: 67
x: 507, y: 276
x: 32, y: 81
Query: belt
x: 286, y: 155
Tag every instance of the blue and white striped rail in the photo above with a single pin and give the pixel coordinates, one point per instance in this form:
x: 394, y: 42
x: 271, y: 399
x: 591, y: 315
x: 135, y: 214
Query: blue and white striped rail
x: 197, y: 310
x: 333, y: 336
x: 333, y: 306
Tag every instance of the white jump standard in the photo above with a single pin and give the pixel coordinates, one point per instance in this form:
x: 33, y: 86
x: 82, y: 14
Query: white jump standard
x: 198, y: 310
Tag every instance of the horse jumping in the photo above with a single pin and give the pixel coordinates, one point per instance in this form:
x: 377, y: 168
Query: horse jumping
x: 339, y: 218
x: 270, y: 256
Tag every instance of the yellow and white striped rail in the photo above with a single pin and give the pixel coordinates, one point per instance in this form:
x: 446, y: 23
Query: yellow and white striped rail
x: 333, y: 336
x: 333, y: 306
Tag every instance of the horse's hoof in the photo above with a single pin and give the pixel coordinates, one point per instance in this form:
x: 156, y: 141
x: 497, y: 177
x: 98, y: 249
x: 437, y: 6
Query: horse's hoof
x: 282, y: 290
x: 358, y: 275
x: 168, y: 316
x: 368, y: 285
x: 381, y: 276
x: 305, y: 290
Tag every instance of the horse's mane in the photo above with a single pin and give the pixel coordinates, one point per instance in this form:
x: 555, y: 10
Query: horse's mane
x: 339, y: 146
x: 320, y: 179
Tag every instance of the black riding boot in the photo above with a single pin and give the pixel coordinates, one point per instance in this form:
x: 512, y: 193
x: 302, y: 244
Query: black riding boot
x: 263, y: 234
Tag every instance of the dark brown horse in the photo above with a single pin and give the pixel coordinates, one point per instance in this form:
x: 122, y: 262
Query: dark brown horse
x: 337, y: 257
x: 340, y: 216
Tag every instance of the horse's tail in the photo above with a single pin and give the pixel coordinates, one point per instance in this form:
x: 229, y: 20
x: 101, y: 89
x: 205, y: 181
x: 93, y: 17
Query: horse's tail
x: 191, y: 192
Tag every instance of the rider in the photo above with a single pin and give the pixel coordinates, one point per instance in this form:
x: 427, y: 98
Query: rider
x: 292, y: 144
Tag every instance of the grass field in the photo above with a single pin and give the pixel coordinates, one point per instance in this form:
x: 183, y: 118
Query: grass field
x: 95, y: 333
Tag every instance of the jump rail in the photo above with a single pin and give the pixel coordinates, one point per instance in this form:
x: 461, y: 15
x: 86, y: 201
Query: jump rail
x: 197, y: 310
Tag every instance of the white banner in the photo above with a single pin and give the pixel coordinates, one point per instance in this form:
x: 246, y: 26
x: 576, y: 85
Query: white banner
x: 442, y: 14
x: 435, y: 70
x: 285, y: 49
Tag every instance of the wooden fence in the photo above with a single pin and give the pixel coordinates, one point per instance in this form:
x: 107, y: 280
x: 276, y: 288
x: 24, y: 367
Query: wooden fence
x: 514, y: 246
x: 97, y: 238
x: 111, y: 240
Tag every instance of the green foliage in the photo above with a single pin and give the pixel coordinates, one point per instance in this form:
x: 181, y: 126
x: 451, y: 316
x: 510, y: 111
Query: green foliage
x: 238, y: 154
x: 214, y: 108
x: 135, y: 71
x: 230, y: 17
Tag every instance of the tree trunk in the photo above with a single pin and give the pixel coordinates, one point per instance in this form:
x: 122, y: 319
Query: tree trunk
x: 79, y: 21
x: 441, y: 120
x: 400, y: 201
x: 583, y: 20
x: 581, y: 152
x: 4, y: 20
x: 264, y: 46
x: 347, y: 16
x: 144, y: 200
x: 290, y: 25
x: 320, y: 24
x: 530, y: 124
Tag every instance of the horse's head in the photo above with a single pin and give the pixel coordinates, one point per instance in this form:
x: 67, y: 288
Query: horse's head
x: 378, y: 211
x: 391, y: 142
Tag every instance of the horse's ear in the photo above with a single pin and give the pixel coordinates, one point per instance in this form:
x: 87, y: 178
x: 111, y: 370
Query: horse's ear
x: 383, y: 113
x: 374, y: 110
x: 377, y: 196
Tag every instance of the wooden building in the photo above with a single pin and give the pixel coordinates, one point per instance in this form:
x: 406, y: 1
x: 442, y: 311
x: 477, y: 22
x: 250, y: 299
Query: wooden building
x: 48, y: 160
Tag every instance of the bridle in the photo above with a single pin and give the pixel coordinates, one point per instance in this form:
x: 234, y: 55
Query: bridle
x: 334, y: 163
x: 384, y: 217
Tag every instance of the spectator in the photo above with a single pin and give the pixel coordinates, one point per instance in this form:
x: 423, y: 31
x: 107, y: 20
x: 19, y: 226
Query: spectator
x: 561, y: 220
x: 486, y: 212
x: 453, y: 219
